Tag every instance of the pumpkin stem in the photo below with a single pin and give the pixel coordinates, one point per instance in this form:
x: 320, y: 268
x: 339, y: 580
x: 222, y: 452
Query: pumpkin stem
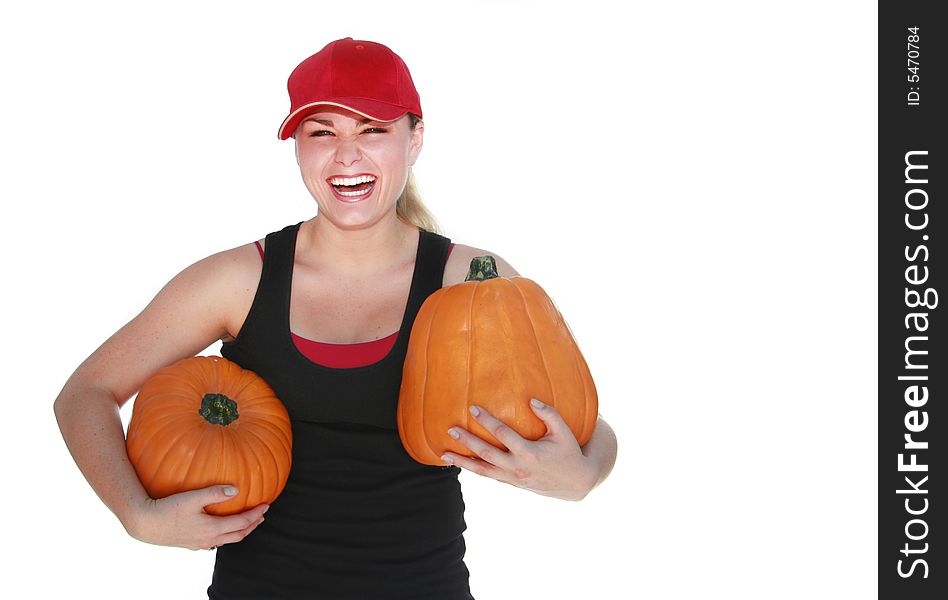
x: 218, y: 409
x: 482, y: 269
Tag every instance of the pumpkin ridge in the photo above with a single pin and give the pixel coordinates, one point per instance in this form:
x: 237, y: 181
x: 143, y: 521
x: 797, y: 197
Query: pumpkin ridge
x: 424, y: 386
x: 202, y: 456
x: 153, y: 437
x: 183, y: 432
x: 266, y: 422
x: 258, y: 446
x: 161, y: 420
x: 470, y: 353
x: 249, y: 447
x: 220, y: 469
x: 257, y: 405
x: 194, y: 378
x: 408, y: 390
x: 583, y: 428
x: 536, y: 340
x: 184, y: 471
x: 492, y: 308
x: 168, y: 399
x: 582, y: 374
x: 242, y: 390
x: 589, y: 423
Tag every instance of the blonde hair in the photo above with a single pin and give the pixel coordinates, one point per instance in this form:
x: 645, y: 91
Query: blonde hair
x: 410, y: 207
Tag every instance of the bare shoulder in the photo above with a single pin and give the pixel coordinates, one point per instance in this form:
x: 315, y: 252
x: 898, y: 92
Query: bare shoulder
x: 198, y: 306
x: 241, y: 264
x: 238, y: 272
x: 222, y: 285
x: 460, y: 262
x: 229, y: 271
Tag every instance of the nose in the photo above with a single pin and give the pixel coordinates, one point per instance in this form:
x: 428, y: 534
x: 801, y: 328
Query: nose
x: 347, y: 152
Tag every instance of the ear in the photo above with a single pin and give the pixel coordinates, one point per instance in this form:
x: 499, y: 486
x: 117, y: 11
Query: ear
x: 296, y: 150
x: 416, y: 142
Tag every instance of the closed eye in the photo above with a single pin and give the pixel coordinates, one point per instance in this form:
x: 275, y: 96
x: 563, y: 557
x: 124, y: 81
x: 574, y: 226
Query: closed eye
x: 325, y: 132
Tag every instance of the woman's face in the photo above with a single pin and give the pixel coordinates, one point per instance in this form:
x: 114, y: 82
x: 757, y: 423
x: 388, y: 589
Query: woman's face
x: 355, y: 168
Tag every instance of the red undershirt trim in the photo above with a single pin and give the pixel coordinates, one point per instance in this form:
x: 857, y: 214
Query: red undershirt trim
x: 344, y: 356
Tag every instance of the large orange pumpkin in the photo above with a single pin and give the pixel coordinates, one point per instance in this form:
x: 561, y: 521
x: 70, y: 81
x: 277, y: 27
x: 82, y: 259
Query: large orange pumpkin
x: 204, y: 421
x: 495, y: 342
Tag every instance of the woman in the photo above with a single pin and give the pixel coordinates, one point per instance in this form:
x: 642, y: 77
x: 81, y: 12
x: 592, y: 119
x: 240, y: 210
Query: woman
x: 358, y: 517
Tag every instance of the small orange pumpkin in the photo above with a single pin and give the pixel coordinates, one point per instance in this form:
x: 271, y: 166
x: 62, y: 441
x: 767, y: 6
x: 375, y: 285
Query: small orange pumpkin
x: 495, y: 342
x: 204, y: 421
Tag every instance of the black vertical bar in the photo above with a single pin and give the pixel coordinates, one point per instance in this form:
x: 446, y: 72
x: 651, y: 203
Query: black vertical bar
x: 912, y: 244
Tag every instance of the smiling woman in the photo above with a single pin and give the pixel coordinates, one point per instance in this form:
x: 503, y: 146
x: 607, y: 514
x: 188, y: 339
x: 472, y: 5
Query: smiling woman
x: 358, y: 517
x: 409, y: 207
x: 356, y: 168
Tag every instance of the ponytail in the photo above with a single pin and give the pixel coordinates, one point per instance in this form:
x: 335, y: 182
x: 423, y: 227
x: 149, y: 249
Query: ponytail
x: 410, y: 207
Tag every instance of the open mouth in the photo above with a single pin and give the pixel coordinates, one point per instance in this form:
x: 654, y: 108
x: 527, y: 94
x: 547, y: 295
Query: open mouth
x: 352, y: 188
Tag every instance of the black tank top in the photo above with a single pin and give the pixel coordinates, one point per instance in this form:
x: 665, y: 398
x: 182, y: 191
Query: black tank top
x: 358, y: 518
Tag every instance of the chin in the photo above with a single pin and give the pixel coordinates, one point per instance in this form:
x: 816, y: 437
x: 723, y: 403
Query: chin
x: 354, y: 221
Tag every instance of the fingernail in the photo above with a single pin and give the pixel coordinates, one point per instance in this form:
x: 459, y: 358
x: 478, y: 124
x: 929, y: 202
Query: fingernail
x: 454, y: 433
x: 475, y: 411
x: 447, y: 459
x: 230, y: 491
x: 536, y: 403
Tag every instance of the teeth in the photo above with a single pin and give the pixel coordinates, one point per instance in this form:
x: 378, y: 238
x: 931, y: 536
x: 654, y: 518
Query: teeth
x: 341, y: 193
x: 351, y: 180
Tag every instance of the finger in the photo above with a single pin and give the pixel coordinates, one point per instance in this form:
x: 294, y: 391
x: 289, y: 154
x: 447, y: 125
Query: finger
x: 236, y: 536
x: 475, y: 465
x: 233, y: 523
x: 210, y: 495
x: 500, y: 430
x: 487, y: 452
x: 555, y: 424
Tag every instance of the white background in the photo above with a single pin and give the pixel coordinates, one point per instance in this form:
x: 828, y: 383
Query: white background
x: 693, y: 183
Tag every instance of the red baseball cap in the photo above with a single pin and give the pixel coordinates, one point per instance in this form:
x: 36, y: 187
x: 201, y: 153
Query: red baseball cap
x: 364, y: 77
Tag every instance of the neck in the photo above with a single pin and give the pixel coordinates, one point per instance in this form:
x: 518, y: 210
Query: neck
x: 354, y: 251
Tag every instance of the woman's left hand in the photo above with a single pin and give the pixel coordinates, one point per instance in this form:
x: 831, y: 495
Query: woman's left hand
x: 553, y: 465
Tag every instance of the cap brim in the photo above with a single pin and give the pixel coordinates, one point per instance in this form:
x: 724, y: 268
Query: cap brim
x: 371, y: 109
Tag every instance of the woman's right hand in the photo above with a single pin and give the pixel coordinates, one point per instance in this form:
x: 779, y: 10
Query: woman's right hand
x: 180, y: 520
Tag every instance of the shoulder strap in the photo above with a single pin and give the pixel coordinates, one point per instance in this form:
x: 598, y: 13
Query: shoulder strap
x: 280, y: 246
x: 265, y: 318
x: 432, y: 255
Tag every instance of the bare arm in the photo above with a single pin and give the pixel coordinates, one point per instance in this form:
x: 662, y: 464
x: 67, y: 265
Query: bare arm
x: 602, y: 448
x: 92, y: 429
x: 187, y: 315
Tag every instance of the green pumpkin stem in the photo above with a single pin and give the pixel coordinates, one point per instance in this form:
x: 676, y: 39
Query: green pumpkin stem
x: 218, y: 409
x: 482, y: 269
